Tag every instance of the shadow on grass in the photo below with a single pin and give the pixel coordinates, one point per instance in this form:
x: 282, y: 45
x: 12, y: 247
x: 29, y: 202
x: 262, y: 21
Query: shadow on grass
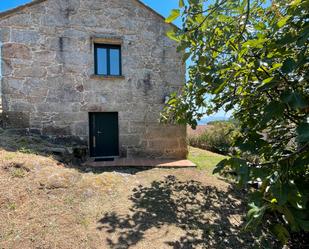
x: 208, y: 216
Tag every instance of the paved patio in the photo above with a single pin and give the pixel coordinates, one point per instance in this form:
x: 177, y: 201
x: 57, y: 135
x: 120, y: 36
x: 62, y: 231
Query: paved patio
x: 141, y: 162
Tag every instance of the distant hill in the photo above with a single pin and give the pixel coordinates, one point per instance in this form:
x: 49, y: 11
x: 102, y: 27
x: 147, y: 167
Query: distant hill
x: 206, y: 120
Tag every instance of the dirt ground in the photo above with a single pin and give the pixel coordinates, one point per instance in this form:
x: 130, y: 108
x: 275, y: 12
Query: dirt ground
x: 45, y: 205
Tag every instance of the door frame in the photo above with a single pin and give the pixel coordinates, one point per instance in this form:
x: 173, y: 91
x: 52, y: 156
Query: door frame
x: 90, y: 133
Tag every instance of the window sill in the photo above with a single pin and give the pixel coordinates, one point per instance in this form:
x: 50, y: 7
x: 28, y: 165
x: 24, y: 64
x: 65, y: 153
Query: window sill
x: 109, y: 77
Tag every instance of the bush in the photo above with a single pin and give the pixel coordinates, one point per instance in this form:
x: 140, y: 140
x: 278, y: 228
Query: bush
x: 217, y: 137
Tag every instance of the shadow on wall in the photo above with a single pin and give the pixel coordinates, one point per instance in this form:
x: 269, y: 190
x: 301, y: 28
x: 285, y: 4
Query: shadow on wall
x: 209, y: 217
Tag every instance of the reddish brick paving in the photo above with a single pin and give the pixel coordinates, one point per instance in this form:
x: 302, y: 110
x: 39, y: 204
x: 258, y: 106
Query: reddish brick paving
x: 141, y: 162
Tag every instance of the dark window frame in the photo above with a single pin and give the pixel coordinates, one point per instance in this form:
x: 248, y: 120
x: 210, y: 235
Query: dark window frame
x: 108, y: 47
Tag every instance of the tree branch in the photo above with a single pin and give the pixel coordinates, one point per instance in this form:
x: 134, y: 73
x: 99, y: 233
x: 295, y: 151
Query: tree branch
x: 247, y: 18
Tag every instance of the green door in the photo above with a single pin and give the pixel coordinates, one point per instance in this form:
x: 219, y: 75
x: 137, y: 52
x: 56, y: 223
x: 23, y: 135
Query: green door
x: 104, y: 135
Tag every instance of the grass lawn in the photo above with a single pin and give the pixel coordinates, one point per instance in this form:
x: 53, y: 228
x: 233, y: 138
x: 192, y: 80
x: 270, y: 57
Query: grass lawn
x: 204, y: 159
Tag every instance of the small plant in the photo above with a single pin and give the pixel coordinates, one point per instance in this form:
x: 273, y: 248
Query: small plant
x: 23, y: 141
x: 11, y: 206
x: 69, y: 200
x: 18, y: 173
x: 83, y: 221
x: 26, y: 150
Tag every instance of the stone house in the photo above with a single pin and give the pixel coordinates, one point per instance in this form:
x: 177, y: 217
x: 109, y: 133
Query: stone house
x: 94, y: 71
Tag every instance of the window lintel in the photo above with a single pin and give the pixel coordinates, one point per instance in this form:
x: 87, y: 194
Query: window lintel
x: 112, y: 40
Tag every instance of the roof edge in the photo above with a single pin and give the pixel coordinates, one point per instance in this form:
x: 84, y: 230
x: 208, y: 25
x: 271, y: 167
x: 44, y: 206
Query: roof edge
x: 19, y: 8
x: 34, y: 2
x: 156, y: 13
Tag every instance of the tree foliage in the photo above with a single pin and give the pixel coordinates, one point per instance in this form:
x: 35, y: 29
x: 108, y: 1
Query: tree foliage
x: 251, y: 56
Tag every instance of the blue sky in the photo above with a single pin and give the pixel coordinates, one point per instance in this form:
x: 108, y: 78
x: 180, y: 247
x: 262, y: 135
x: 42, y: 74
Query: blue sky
x: 162, y: 6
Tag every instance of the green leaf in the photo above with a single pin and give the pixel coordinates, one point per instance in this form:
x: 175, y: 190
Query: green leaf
x: 181, y: 3
x: 288, y: 216
x: 172, y: 101
x: 172, y: 35
x: 281, y: 233
x: 268, y: 84
x: 220, y: 166
x: 303, y: 132
x: 301, y: 218
x: 256, y: 43
x: 255, y: 215
x: 280, y: 192
x: 304, y: 224
x: 220, y: 88
x: 243, y: 172
x: 259, y: 26
x: 288, y: 65
x: 267, y: 80
x: 303, y: 36
x: 193, y: 1
x: 273, y: 110
x: 294, y: 99
x: 295, y: 2
x: 175, y: 13
x: 283, y: 21
x: 275, y: 66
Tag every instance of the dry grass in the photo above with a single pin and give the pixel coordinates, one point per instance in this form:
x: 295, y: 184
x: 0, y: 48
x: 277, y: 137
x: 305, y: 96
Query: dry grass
x: 44, y: 204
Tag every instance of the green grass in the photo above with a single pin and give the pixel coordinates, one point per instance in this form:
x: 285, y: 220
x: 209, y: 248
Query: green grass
x: 204, y: 159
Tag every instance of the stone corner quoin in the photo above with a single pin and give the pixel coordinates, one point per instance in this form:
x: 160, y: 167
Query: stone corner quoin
x: 48, y: 63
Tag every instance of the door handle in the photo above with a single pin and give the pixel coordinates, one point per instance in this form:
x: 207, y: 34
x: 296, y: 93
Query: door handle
x: 100, y: 132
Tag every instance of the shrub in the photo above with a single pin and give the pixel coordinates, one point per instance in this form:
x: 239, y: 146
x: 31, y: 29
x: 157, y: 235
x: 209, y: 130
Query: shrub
x: 216, y: 137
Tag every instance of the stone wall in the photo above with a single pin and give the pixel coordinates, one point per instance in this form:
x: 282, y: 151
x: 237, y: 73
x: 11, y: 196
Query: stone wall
x: 48, y: 84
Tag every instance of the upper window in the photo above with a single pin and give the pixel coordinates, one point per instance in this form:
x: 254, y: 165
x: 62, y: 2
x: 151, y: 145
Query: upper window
x: 107, y: 60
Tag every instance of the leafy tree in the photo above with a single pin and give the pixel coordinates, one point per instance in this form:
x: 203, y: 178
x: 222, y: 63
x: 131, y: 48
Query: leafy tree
x: 251, y: 56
